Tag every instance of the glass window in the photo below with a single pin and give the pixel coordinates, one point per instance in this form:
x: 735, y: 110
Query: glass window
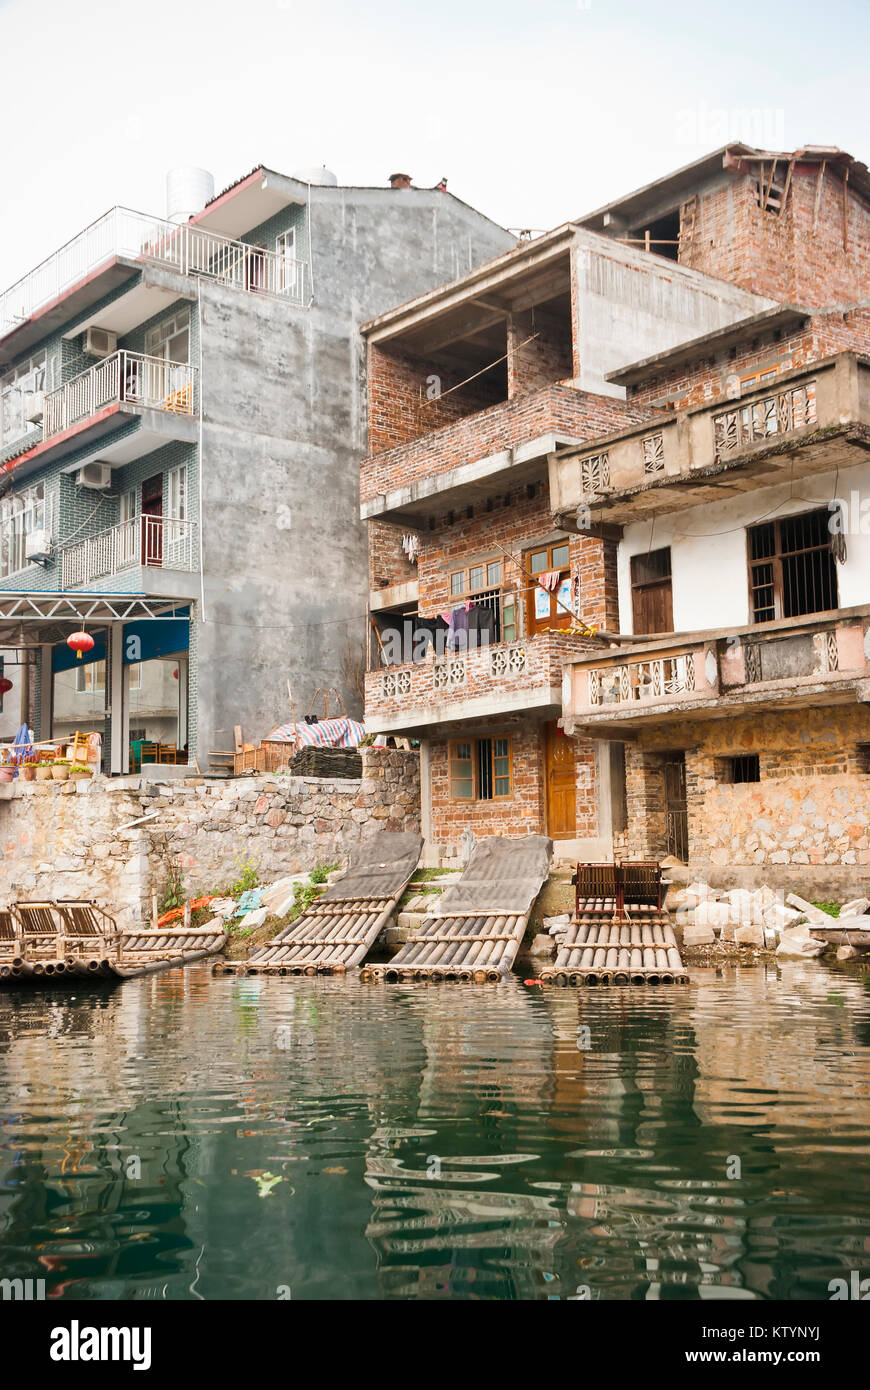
x: 508, y: 618
x: 475, y: 578
x: 457, y: 581
x: 493, y: 574
x: 560, y: 556
x: 461, y: 775
x: 501, y: 766
x: 480, y: 769
x: 538, y: 561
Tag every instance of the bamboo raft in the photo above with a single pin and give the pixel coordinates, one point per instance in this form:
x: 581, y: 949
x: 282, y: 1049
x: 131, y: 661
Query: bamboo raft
x: 63, y: 943
x: 339, y: 930
x: 602, y: 947
x: 481, y: 920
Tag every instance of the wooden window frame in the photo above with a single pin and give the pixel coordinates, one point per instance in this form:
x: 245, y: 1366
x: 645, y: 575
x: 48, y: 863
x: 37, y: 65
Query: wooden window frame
x: 476, y: 799
x: 642, y: 585
x: 775, y: 560
x: 558, y: 619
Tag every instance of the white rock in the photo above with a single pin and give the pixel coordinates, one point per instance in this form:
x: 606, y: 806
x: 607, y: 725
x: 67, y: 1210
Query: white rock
x: 712, y: 914
x: 856, y: 908
x: 255, y: 918
x: 698, y: 936
x: 799, y: 945
x: 812, y: 914
x: 778, y: 916
x: 559, y: 922
x: 750, y: 936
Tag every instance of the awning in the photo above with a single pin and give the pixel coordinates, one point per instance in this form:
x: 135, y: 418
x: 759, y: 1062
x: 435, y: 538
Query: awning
x: 54, y: 613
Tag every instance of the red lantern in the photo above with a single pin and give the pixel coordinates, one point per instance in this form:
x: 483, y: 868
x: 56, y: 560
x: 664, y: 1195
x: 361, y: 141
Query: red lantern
x: 5, y: 687
x: 80, y: 642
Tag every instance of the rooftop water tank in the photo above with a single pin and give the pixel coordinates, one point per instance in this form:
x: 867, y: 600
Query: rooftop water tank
x: 320, y: 175
x: 187, y: 192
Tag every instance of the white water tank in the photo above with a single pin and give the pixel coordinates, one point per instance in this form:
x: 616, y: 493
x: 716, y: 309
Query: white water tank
x: 187, y: 191
x: 323, y: 176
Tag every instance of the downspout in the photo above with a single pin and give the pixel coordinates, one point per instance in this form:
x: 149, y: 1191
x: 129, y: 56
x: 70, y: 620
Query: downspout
x: 199, y: 460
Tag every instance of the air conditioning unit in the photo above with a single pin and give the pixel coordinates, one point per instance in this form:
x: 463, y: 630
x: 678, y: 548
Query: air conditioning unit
x: 35, y: 408
x: 37, y: 545
x: 99, y: 342
x: 96, y: 475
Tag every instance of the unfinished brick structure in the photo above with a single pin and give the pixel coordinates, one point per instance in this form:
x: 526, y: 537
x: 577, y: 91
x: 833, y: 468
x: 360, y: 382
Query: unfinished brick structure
x: 741, y: 509
x: 472, y: 389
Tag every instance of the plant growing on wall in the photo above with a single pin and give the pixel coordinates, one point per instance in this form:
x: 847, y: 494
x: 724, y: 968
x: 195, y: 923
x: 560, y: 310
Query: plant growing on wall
x: 173, y: 891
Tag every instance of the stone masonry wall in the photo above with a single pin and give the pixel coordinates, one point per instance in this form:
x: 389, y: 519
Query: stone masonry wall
x: 65, y: 839
x: 805, y: 824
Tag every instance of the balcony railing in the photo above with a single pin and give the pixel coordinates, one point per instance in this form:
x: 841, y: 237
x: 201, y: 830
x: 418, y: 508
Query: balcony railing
x: 664, y: 464
x: 151, y: 541
x: 136, y: 236
x: 130, y: 378
x: 775, y: 661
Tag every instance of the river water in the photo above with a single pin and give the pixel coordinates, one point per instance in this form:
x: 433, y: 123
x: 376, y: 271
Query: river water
x: 186, y: 1136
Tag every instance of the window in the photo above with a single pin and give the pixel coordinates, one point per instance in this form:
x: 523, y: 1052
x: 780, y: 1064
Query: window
x: 289, y: 268
x: 90, y: 678
x: 171, y: 338
x: 744, y: 767
x: 480, y: 769
x: 652, y: 604
x: 17, y: 389
x: 480, y: 584
x: 176, y: 493
x: 791, y: 567
x: 549, y: 607
x: 20, y: 514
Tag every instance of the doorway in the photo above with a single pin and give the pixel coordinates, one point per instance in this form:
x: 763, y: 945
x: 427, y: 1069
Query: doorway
x: 676, y: 811
x: 152, y: 520
x: 561, y: 781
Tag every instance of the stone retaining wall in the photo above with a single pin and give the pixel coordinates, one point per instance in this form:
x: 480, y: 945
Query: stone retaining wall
x: 65, y: 839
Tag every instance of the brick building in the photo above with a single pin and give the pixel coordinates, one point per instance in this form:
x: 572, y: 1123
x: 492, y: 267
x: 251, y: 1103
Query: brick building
x: 739, y: 512
x: 479, y: 592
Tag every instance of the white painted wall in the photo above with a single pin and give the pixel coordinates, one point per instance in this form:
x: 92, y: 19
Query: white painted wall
x: 708, y: 548
x: 632, y: 305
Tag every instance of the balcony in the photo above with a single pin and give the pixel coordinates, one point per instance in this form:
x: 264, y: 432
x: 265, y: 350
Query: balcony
x: 489, y: 451
x: 111, y: 249
x: 150, y: 543
x: 810, y: 420
x: 162, y: 395
x: 484, y: 682
x: 821, y: 659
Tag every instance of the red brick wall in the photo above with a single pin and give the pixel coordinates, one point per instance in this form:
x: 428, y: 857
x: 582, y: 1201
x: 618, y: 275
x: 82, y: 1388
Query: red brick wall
x: 781, y: 256
x: 540, y: 352
x: 524, y: 813
x: 388, y: 563
x: 399, y: 407
x: 705, y: 378
x: 555, y: 409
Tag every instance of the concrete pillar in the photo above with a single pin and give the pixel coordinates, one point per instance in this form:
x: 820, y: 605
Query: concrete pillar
x: 430, y: 856
x: 119, y: 754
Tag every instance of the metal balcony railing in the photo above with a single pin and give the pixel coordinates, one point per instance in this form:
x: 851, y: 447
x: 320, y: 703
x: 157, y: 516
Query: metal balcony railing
x: 152, y: 541
x: 125, y: 377
x: 136, y: 236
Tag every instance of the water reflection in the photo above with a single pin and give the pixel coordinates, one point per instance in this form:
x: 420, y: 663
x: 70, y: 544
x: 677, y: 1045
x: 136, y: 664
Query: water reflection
x: 188, y: 1137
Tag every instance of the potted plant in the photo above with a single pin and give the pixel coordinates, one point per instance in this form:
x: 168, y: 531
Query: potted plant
x: 28, y: 771
x: 43, y: 770
x: 60, y: 769
x: 7, y: 772
x: 78, y: 772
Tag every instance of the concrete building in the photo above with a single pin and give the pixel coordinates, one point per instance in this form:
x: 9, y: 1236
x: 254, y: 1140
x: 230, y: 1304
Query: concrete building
x: 181, y: 417
x: 671, y: 482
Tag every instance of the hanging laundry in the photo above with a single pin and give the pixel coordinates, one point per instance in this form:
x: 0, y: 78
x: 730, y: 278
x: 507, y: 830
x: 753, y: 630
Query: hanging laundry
x: 457, y: 635
x: 550, y: 579
x: 411, y: 546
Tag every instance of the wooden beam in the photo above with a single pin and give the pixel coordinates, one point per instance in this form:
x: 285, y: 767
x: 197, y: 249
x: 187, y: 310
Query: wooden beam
x: 787, y: 186
x: 846, y: 210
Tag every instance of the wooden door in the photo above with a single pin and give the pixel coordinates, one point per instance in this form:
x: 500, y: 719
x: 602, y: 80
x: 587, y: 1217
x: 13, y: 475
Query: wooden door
x: 543, y: 609
x: 676, y: 813
x: 561, y: 775
x: 652, y: 605
x: 152, y: 520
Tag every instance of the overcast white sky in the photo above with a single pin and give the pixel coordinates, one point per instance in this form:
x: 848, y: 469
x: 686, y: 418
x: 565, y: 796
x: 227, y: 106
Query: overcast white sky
x: 536, y: 112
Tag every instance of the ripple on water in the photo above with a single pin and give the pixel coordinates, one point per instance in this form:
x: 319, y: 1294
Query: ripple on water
x: 187, y: 1136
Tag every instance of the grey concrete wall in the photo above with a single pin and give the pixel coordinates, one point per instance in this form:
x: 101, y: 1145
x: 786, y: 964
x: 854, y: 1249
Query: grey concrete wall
x: 283, y: 389
x: 631, y: 305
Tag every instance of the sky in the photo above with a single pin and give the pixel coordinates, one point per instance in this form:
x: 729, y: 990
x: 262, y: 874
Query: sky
x: 535, y: 112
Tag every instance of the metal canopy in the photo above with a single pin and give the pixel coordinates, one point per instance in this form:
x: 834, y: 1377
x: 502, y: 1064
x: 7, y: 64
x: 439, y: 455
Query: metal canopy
x: 95, y: 610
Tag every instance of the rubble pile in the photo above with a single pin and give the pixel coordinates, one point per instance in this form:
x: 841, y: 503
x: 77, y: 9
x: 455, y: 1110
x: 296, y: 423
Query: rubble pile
x: 763, y: 919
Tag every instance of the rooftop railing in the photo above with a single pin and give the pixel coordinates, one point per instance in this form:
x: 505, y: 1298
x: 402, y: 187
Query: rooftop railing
x: 136, y: 236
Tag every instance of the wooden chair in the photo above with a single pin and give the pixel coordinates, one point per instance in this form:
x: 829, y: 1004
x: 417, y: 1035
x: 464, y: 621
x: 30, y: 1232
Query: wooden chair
x: 79, y: 747
x: 8, y: 933
x: 596, y: 881
x: 84, y: 922
x: 39, y: 928
x: 642, y: 883
x: 166, y: 753
x: 150, y: 753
